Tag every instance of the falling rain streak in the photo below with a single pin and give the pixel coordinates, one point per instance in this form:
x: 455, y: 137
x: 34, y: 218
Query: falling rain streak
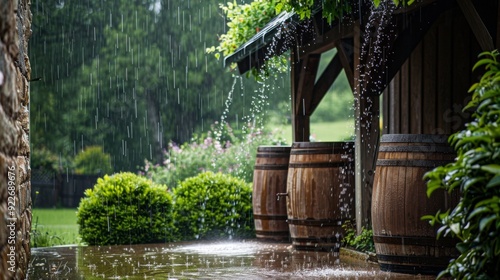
x: 158, y: 84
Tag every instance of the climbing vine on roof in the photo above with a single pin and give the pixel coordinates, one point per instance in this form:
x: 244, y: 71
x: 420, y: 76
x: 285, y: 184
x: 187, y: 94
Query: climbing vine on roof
x: 332, y: 9
x: 246, y: 20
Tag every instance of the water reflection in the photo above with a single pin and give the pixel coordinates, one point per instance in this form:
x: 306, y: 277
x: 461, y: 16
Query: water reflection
x: 196, y: 260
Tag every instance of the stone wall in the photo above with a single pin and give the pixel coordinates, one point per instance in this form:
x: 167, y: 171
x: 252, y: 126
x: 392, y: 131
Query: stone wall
x: 15, y: 187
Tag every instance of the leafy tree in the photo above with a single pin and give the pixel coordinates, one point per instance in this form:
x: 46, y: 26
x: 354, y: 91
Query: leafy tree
x: 44, y: 160
x: 66, y: 35
x: 130, y: 76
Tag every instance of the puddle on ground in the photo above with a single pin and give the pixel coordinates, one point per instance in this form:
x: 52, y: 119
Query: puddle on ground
x: 200, y: 260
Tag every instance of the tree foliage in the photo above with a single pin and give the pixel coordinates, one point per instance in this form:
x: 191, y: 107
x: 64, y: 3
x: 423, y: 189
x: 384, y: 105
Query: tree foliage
x: 129, y: 76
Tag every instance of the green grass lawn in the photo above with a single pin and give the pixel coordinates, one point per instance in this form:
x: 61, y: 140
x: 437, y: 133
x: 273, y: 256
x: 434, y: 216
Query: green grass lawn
x: 324, y: 131
x: 51, y: 227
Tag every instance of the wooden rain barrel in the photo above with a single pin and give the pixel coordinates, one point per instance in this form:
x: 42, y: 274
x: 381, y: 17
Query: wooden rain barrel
x: 269, y: 179
x: 403, y: 242
x: 320, y: 193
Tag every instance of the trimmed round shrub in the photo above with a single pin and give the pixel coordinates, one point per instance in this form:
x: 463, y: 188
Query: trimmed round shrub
x: 212, y: 206
x: 125, y: 209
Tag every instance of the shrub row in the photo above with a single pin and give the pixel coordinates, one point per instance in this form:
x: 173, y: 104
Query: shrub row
x: 91, y: 160
x: 126, y: 208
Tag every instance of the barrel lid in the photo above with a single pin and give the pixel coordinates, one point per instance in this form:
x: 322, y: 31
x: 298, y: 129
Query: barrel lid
x: 415, y: 138
x: 322, y: 148
x: 273, y: 148
x: 339, y: 144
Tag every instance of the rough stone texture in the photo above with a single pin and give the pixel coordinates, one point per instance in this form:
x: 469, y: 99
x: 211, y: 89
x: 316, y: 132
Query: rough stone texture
x: 15, y: 173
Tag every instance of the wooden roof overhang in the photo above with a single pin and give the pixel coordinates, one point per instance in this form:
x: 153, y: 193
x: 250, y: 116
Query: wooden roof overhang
x: 371, y: 44
x: 308, y: 39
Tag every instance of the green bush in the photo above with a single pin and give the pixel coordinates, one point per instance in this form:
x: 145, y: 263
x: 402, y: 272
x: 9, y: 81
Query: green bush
x: 220, y: 151
x: 211, y: 206
x: 475, y: 221
x: 362, y: 242
x: 43, y: 159
x: 93, y: 160
x: 125, y: 209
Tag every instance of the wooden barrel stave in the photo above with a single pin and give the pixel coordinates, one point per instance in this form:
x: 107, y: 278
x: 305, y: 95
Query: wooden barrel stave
x: 405, y: 243
x: 270, y: 178
x: 320, y: 193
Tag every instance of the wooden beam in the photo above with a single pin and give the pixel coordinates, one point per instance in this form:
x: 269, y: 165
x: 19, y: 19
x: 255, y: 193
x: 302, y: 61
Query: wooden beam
x: 319, y: 27
x: 325, y: 81
x: 302, y: 128
x: 301, y: 80
x: 305, y: 87
x: 294, y: 80
x: 345, y: 48
x: 477, y: 25
x: 326, y: 41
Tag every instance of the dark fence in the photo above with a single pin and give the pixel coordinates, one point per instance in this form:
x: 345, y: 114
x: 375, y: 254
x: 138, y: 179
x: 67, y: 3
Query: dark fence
x: 43, y: 188
x: 59, y: 190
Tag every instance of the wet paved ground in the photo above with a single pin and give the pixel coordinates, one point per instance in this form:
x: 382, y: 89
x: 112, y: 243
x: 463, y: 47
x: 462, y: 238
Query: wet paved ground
x: 200, y: 260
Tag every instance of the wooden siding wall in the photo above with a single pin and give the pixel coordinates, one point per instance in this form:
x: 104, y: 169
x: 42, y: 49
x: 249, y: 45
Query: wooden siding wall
x: 428, y: 93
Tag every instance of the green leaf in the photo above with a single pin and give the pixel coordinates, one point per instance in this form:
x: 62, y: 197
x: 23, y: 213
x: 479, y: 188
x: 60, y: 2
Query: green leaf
x: 497, y: 247
x: 455, y: 228
x: 494, y: 182
x: 485, y: 222
x: 462, y: 247
x: 482, y: 62
x: 492, y: 168
x: 432, y: 186
x: 490, y: 202
x: 470, y: 182
x: 473, y: 87
x: 479, y: 211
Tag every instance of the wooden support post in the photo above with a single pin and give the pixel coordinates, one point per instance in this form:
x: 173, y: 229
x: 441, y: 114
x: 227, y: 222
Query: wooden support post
x: 301, y: 128
x: 303, y: 77
x: 300, y: 121
x: 370, y: 58
x: 366, y: 113
x: 367, y: 136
